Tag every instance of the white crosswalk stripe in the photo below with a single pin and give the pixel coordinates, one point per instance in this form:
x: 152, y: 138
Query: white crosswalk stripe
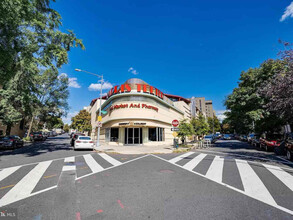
x: 194, y: 162
x: 282, y: 175
x: 215, y: 172
x: 176, y: 159
x: 111, y: 160
x: 69, y: 167
x: 26, y: 185
x: 92, y: 163
x: 7, y: 172
x: 253, y: 186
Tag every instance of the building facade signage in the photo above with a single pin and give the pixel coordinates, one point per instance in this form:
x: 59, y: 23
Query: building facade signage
x: 124, y: 88
x: 132, y: 105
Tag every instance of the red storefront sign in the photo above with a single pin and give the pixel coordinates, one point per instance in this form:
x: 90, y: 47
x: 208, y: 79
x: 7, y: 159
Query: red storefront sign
x: 133, y: 105
x: 139, y: 88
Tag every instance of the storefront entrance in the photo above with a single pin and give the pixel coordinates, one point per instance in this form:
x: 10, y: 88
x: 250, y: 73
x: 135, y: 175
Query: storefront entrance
x: 133, y: 136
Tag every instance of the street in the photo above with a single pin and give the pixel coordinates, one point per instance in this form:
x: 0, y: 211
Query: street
x: 48, y: 180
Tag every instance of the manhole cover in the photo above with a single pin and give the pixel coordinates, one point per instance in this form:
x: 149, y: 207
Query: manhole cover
x: 166, y: 171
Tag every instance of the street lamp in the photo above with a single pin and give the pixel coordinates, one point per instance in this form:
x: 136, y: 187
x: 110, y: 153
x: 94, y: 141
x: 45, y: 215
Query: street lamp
x: 100, y: 76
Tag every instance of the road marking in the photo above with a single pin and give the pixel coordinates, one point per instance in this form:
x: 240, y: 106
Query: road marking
x: 92, y: 163
x: 194, y: 162
x: 4, y: 187
x: 8, y: 171
x: 78, y: 216
x: 233, y: 188
x: 282, y: 175
x: 129, y: 161
x: 182, y: 156
x: 215, y: 172
x: 45, y: 177
x: 250, y: 157
x: 252, y: 184
x: 69, y: 160
x: 26, y: 185
x: 111, y: 160
x: 70, y: 164
x: 120, y: 203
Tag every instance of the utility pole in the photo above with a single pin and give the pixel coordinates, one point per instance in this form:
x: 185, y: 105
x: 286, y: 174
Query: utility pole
x: 100, y: 109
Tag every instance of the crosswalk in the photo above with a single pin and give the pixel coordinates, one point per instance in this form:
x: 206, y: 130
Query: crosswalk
x: 270, y: 187
x: 44, y: 175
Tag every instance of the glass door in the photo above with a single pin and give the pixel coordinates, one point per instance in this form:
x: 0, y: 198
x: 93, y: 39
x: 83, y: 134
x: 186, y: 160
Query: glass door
x: 133, y: 135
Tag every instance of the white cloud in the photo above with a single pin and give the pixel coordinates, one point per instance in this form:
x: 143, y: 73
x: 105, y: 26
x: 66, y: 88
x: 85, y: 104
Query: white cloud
x: 97, y: 86
x: 220, y: 114
x: 133, y: 71
x: 288, y: 12
x: 67, y: 119
x: 72, y: 82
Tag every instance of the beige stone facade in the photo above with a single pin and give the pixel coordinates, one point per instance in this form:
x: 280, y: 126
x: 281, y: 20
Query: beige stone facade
x: 137, y: 114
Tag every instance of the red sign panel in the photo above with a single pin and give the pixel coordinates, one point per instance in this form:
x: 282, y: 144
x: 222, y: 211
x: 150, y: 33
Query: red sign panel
x: 175, y: 123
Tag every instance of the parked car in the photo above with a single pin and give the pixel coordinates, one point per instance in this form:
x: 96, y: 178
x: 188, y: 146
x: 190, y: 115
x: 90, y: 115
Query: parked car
x: 209, y: 137
x: 227, y: 137
x: 38, y: 136
x: 12, y: 142
x: 250, y: 137
x: 83, y: 142
x: 255, y: 140
x: 1, y: 141
x: 289, y: 145
x: 270, y: 141
x: 74, y: 137
x: 243, y: 138
x: 45, y: 134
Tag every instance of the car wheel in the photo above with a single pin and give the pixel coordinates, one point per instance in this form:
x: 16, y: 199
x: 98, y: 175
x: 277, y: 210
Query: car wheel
x: 289, y: 155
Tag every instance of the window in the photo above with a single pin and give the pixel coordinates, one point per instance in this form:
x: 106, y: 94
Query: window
x: 84, y: 138
x: 114, y: 134
x: 107, y: 135
x: 156, y: 134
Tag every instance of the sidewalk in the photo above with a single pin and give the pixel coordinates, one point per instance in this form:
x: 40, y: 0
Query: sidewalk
x: 160, y: 149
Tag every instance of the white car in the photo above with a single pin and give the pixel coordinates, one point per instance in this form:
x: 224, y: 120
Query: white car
x: 83, y: 142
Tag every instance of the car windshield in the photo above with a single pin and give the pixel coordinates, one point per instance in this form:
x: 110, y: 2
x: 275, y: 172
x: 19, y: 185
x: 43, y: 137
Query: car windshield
x: 37, y: 132
x: 84, y: 138
x: 208, y: 136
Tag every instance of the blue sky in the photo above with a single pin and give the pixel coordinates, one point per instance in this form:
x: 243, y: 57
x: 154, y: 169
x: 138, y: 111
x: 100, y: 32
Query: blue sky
x: 186, y: 48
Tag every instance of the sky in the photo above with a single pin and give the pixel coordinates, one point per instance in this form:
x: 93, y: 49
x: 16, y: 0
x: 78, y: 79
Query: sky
x: 186, y: 48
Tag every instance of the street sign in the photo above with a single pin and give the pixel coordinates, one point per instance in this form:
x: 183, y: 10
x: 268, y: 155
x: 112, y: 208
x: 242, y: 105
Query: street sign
x: 175, y: 129
x: 99, y: 118
x: 175, y: 123
x: 99, y: 124
x: 175, y: 134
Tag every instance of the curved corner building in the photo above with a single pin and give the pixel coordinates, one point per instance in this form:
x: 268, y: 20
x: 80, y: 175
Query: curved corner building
x: 136, y: 113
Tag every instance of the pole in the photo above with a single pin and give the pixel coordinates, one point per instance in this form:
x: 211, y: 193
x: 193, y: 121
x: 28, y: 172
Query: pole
x: 101, y: 90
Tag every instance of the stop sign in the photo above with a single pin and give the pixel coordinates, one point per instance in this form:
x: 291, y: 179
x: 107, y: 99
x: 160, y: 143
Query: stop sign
x: 175, y: 123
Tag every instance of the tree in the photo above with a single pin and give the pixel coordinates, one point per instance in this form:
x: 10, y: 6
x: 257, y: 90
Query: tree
x: 66, y: 128
x: 246, y: 111
x: 279, y: 90
x: 51, y: 97
x: 214, y: 124
x: 199, y: 125
x: 30, y: 43
x: 82, y: 121
x: 185, y: 129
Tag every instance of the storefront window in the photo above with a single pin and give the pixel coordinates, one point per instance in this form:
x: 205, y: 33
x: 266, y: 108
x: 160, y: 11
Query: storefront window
x: 107, y: 135
x: 156, y: 134
x: 114, y: 134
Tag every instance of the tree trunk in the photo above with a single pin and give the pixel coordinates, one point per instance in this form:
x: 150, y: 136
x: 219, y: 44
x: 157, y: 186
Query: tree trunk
x: 30, y: 127
x: 8, y: 129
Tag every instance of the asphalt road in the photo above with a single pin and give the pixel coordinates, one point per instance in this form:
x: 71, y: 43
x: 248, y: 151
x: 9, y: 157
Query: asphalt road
x: 48, y: 180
